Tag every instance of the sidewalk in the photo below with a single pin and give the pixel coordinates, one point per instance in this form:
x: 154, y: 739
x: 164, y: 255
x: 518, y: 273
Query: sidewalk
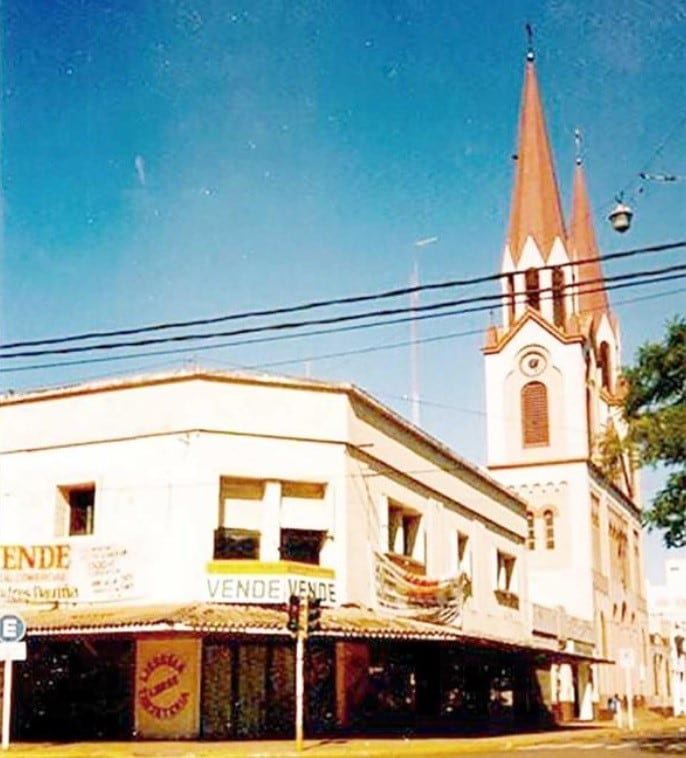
x: 366, y: 748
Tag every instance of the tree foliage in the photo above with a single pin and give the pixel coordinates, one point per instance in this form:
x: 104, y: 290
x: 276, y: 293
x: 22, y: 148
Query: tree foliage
x: 655, y: 409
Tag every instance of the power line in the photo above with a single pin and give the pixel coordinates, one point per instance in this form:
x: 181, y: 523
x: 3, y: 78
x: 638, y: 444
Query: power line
x: 58, y: 364
x: 261, y: 340
x: 493, y: 299
x: 348, y: 300
x: 425, y: 340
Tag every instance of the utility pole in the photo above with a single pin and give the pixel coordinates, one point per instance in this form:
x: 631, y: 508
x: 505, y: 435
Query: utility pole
x: 304, y: 616
x: 300, y: 635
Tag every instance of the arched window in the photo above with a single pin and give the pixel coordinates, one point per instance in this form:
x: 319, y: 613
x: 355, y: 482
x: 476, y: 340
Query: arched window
x: 549, y: 522
x: 535, y: 414
x: 530, y: 531
x: 510, y: 299
x: 558, y: 297
x: 533, y: 292
x: 605, y: 367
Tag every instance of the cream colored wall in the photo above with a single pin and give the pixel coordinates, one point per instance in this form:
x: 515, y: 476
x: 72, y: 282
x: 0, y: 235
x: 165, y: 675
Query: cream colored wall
x: 193, y: 403
x: 561, y: 576
x: 157, y: 477
x: 450, y: 499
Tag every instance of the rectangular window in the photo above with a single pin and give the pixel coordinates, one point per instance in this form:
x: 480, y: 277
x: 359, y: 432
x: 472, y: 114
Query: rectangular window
x: 530, y: 531
x: 595, y: 527
x: 463, y: 557
x: 236, y: 544
x: 301, y: 545
x: 240, y: 503
x: 79, y: 503
x: 403, y: 531
x: 505, y: 567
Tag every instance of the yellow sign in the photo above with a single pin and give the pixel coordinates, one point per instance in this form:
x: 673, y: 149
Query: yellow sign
x: 167, y: 687
x: 266, y: 583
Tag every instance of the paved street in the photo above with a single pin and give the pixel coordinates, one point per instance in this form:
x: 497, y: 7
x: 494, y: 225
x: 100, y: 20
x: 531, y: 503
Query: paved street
x: 559, y: 745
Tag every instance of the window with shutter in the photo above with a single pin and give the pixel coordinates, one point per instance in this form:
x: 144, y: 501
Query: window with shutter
x: 549, y: 521
x: 558, y: 297
x: 533, y: 292
x: 535, y: 414
x: 530, y: 531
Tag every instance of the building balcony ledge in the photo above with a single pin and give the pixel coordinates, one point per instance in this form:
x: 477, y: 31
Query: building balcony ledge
x: 507, y: 599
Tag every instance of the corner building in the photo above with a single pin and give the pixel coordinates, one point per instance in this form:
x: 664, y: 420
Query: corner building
x: 553, y: 390
x: 153, y: 528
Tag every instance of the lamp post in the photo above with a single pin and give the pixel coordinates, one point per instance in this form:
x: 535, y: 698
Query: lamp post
x: 414, y: 332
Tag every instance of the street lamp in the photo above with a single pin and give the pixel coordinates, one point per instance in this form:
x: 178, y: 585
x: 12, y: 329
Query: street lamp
x: 620, y: 217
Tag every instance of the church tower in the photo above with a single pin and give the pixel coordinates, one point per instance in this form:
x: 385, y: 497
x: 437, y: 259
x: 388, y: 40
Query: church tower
x: 552, y: 392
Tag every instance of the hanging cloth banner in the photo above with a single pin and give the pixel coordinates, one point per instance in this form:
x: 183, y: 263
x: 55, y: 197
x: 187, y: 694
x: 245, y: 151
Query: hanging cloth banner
x: 414, y: 596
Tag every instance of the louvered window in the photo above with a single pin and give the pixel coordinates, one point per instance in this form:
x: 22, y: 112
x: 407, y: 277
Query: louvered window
x: 549, y: 521
x: 530, y: 531
x: 558, y: 297
x: 535, y: 414
x: 533, y: 292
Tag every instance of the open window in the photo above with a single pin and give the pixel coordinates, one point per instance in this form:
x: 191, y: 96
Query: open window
x: 558, y: 297
x: 236, y: 544
x: 533, y: 290
x: 403, y: 531
x: 301, y: 545
x: 505, y: 568
x: 77, y: 502
x: 464, y: 562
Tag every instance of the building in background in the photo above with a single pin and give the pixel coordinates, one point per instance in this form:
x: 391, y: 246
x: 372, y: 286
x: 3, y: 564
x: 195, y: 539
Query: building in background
x: 667, y: 609
x: 553, y: 389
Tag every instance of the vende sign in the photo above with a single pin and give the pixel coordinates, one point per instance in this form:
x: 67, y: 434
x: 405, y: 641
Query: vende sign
x: 267, y: 583
x: 77, y: 570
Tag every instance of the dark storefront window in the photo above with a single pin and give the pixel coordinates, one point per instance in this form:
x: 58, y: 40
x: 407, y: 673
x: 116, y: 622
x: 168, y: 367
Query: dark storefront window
x: 248, y: 689
x: 75, y: 690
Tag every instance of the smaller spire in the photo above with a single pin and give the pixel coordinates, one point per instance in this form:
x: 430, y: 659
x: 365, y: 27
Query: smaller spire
x: 583, y: 247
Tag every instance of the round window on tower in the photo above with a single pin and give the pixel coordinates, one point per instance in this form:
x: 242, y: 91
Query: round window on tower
x: 532, y: 364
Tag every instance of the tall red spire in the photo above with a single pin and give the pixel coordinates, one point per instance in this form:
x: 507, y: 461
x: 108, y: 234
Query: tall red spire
x: 583, y: 246
x: 536, y: 208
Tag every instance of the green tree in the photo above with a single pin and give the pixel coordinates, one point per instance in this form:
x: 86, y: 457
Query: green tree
x: 655, y: 409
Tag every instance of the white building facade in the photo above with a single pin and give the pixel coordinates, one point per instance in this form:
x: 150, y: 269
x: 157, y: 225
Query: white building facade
x: 153, y: 530
x: 667, y: 608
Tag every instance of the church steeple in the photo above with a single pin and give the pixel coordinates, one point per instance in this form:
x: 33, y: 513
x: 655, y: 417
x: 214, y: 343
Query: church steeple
x: 583, y: 247
x: 535, y: 210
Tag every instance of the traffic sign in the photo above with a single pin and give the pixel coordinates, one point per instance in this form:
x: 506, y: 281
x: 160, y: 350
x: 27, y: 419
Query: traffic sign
x: 12, y: 628
x: 12, y: 651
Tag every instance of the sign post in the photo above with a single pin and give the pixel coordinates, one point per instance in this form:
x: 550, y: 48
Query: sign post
x: 12, y: 648
x: 627, y: 662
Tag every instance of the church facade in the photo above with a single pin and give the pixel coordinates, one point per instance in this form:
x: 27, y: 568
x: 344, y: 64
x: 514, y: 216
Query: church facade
x: 553, y: 393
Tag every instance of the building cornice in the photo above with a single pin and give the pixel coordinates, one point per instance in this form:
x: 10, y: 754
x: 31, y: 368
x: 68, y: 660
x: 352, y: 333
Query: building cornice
x: 531, y: 315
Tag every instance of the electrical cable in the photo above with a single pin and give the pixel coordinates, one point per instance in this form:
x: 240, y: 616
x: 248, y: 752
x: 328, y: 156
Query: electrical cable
x: 348, y: 300
x: 621, y: 285
x: 494, y: 299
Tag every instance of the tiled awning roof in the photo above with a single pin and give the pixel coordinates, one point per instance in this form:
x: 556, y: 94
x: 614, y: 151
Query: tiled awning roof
x: 347, y: 622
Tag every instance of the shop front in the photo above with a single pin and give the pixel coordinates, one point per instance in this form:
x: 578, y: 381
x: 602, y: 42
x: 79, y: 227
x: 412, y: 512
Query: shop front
x: 227, y: 672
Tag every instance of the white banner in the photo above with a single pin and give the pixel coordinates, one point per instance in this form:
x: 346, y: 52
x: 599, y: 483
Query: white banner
x: 71, y: 571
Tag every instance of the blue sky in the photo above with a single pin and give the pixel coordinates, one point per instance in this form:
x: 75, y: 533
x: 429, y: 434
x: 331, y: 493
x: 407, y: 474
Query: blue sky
x: 169, y: 160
